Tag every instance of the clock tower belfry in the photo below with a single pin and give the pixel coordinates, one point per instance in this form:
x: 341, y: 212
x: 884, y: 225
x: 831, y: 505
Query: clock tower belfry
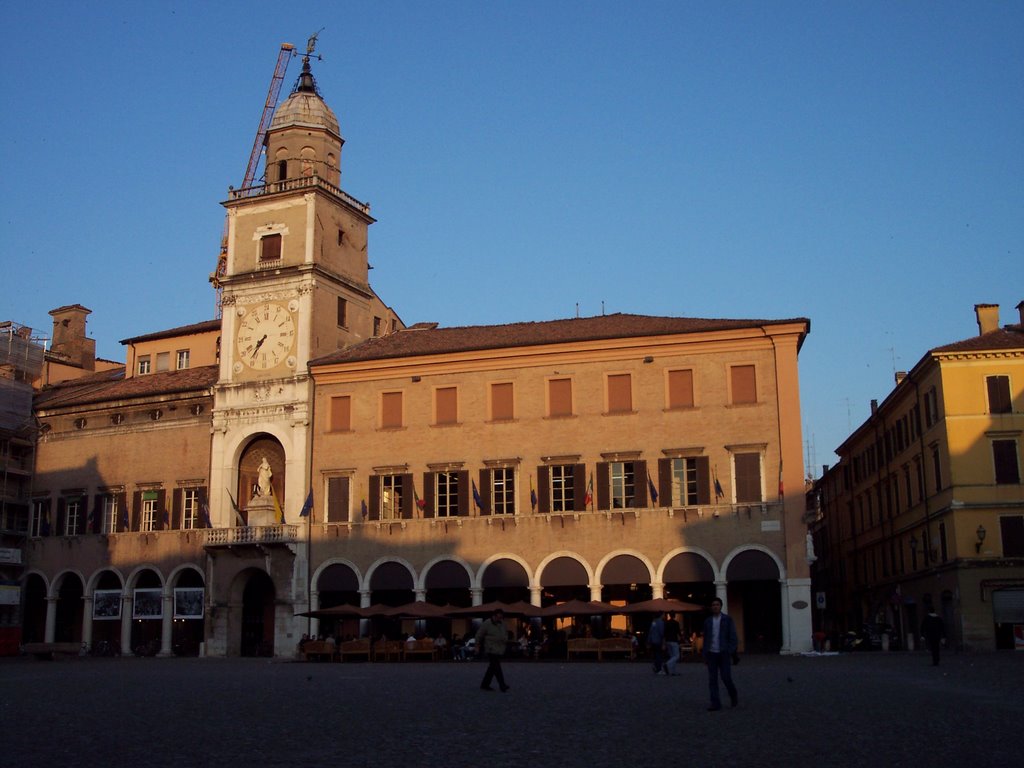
x: 295, y: 287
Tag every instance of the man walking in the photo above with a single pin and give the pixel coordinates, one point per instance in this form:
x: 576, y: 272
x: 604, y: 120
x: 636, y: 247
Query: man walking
x: 656, y: 642
x: 720, y: 646
x: 933, y: 629
x: 491, y: 639
x: 672, y: 634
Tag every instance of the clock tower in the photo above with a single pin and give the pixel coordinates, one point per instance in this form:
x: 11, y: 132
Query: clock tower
x: 295, y: 287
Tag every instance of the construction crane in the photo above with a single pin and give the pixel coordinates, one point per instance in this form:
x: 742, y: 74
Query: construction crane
x: 283, y: 57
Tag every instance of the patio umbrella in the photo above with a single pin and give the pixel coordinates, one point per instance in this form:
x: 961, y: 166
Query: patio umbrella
x: 419, y: 610
x: 518, y: 608
x: 660, y: 605
x: 335, y: 612
x: 580, y: 608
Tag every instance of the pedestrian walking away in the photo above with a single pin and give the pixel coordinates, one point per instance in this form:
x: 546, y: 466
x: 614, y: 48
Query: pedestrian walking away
x: 720, y: 652
x: 933, y: 629
x: 491, y: 640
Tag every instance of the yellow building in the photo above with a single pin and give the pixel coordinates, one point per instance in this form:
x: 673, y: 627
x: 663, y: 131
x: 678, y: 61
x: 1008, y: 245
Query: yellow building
x: 308, y: 450
x: 926, y: 506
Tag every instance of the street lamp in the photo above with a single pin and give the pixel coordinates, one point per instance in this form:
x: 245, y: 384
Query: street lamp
x: 981, y: 539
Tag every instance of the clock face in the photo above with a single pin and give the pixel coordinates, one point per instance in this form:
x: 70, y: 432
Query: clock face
x: 265, y: 336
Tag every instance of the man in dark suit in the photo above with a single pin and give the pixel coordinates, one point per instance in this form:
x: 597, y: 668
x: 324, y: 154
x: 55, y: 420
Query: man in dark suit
x: 720, y: 646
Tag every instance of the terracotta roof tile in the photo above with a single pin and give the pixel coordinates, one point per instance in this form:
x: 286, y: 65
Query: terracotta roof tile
x: 419, y: 340
x: 184, y: 330
x: 111, y: 385
x: 1007, y: 337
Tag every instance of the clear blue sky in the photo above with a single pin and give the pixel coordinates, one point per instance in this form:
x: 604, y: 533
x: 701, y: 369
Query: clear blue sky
x: 860, y: 164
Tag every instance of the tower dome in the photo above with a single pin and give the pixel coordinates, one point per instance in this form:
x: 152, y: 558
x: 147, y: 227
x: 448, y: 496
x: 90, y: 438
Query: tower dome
x: 304, y: 108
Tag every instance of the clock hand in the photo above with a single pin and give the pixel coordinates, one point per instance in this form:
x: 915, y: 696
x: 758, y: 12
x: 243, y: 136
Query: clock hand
x: 258, y: 345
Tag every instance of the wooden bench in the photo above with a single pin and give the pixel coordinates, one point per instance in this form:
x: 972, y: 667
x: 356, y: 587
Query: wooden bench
x: 52, y: 650
x: 319, y: 650
x: 355, y: 649
x: 422, y: 647
x: 615, y: 645
x: 386, y: 650
x: 577, y: 646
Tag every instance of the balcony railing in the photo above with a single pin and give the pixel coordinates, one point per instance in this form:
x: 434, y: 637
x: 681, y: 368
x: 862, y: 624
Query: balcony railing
x: 293, y: 185
x: 262, y: 534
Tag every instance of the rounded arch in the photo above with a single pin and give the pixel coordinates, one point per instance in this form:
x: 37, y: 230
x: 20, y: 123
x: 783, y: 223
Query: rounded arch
x: 58, y: 581
x: 176, y: 574
x: 136, y: 573
x: 543, y: 565
x: 335, y: 561
x: 740, y: 550
x: 477, y: 582
x: 716, y: 571
x: 94, y: 581
x: 34, y: 572
x: 599, y: 570
x: 382, y: 561
x: 421, y: 581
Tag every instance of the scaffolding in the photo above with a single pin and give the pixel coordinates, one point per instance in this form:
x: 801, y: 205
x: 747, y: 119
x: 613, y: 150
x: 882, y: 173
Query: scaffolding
x: 21, y: 362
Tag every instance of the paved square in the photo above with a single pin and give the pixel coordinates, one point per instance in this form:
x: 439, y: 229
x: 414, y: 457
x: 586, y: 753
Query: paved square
x: 851, y: 710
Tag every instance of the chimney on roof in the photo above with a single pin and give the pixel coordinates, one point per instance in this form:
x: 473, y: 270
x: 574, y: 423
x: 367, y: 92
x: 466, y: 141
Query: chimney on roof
x: 1020, y: 311
x: 988, y: 317
x: 69, y: 339
x: 874, y: 407
x: 900, y: 376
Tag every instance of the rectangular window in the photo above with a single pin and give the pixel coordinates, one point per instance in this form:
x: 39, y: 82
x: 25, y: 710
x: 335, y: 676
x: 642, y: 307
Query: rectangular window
x: 40, y: 513
x: 559, y: 397
x: 446, y: 405
x: 270, y: 248
x: 748, y: 477
x: 390, y: 497
x: 620, y: 393
x: 680, y: 389
x: 163, y: 362
x: 744, y: 384
x: 999, y: 394
x: 149, y: 511
x: 108, y: 521
x: 1004, y: 456
x: 502, y: 408
x: 144, y: 365
x: 937, y: 468
x: 376, y: 326
x: 342, y: 313
x: 190, y: 509
x: 943, y: 546
x: 908, y: 486
x: 1011, y: 528
x: 391, y: 410
x: 622, y: 485
x: 181, y: 361
x: 684, y: 482
x: 562, y: 487
x: 503, y: 491
x: 341, y: 413
x: 931, y: 407
x: 72, y: 516
x: 446, y: 494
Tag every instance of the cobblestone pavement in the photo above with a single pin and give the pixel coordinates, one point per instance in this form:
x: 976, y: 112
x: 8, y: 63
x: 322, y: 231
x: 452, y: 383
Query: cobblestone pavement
x: 869, y: 709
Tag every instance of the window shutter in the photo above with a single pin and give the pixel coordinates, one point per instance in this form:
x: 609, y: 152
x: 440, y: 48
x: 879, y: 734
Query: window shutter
x: 640, y: 484
x: 748, y: 477
x: 373, y: 513
x: 341, y: 413
x: 620, y: 396
x: 680, y: 389
x: 602, y: 485
x: 428, y: 494
x: 463, y: 476
x: 391, y: 410
x: 543, y: 489
x: 579, y: 487
x: 136, y: 511
x: 999, y: 394
x: 407, y: 497
x: 204, y: 512
x: 484, y: 486
x: 121, y: 512
x: 271, y: 247
x: 337, y: 499
x: 96, y: 524
x: 176, y: 496
x: 447, y: 405
x: 163, y: 520
x: 744, y: 384
x: 665, y: 482
x: 61, y: 514
x: 560, y: 397
x: 703, y: 480
x: 501, y: 402
x: 1011, y: 528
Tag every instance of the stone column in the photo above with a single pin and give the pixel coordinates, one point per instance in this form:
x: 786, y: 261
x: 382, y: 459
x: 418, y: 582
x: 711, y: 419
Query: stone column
x: 126, y: 625
x: 313, y: 624
x: 477, y: 595
x: 167, y: 625
x: 535, y: 595
x: 420, y: 595
x: 785, y: 608
x: 51, y: 620
x: 722, y: 593
x: 798, y: 606
x: 657, y: 589
x: 87, y: 623
x: 595, y: 592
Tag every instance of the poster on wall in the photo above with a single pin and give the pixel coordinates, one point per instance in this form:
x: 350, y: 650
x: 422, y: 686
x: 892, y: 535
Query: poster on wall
x: 188, y: 603
x: 148, y: 604
x: 106, y: 604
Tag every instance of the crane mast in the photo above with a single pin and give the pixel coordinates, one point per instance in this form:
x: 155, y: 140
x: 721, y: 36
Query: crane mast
x: 283, y: 57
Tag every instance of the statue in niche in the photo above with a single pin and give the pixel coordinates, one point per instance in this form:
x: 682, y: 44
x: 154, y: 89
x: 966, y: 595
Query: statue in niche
x: 810, y: 549
x: 263, y: 487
